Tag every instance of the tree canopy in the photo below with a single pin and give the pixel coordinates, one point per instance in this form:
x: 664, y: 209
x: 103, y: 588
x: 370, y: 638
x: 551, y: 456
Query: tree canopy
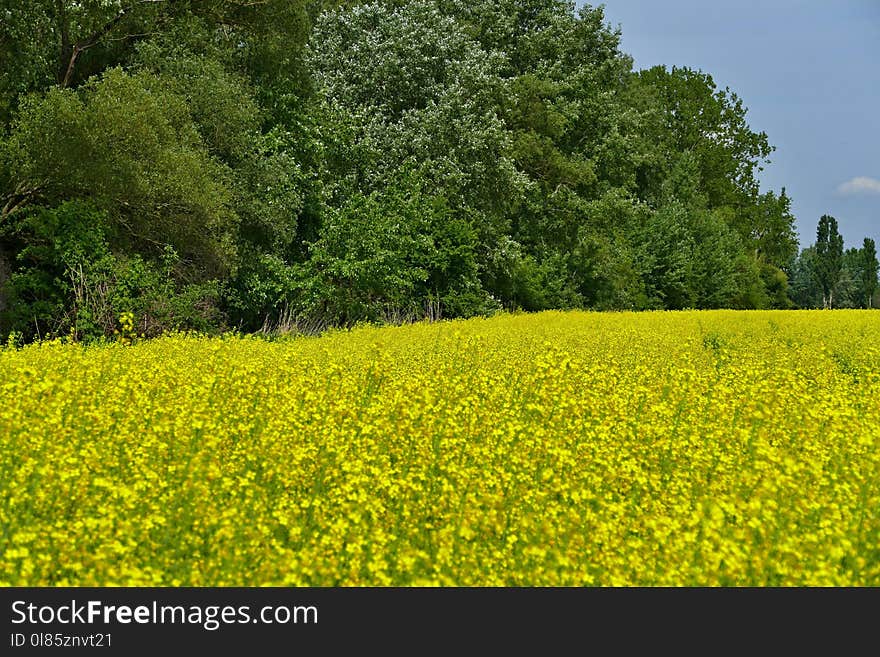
x: 216, y: 164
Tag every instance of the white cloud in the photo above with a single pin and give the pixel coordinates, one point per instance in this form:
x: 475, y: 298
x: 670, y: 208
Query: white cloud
x: 860, y: 185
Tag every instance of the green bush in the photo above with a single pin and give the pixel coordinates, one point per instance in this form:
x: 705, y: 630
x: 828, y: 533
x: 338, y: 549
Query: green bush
x: 67, y: 282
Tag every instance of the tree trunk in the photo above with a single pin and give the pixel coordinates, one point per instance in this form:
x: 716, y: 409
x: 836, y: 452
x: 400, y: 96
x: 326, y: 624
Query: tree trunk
x: 71, y: 50
x: 5, y: 272
x: 66, y: 57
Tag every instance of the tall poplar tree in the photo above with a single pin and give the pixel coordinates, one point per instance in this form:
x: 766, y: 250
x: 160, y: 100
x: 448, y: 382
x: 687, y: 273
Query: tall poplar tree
x: 869, y: 266
x: 829, y: 258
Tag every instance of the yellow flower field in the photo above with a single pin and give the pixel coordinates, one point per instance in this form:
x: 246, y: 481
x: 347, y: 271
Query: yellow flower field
x: 685, y: 449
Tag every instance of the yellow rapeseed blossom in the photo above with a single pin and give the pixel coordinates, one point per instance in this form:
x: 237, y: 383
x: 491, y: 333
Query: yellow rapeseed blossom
x: 686, y: 449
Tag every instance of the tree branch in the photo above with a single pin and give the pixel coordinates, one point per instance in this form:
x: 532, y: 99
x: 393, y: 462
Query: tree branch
x: 64, y: 29
x: 95, y: 38
x: 18, y: 199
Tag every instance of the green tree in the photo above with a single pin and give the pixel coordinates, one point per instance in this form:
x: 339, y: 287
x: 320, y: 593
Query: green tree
x: 847, y: 294
x: 392, y: 254
x: 828, y: 259
x: 408, y: 87
x: 148, y: 167
x: 64, y: 42
x: 804, y: 288
x: 772, y: 233
x: 686, y: 112
x: 867, y: 281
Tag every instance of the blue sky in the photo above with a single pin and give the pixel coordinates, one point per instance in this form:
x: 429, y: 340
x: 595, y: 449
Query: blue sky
x: 809, y: 74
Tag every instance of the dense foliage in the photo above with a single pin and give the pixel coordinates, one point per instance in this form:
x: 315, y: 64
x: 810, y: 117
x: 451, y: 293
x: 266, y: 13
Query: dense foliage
x: 298, y: 163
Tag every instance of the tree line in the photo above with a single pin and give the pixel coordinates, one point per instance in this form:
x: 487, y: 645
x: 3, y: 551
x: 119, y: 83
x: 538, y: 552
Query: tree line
x: 276, y: 164
x: 826, y: 276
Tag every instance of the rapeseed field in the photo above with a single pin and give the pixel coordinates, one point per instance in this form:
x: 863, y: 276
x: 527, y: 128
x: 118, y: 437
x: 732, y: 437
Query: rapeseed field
x: 716, y: 448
